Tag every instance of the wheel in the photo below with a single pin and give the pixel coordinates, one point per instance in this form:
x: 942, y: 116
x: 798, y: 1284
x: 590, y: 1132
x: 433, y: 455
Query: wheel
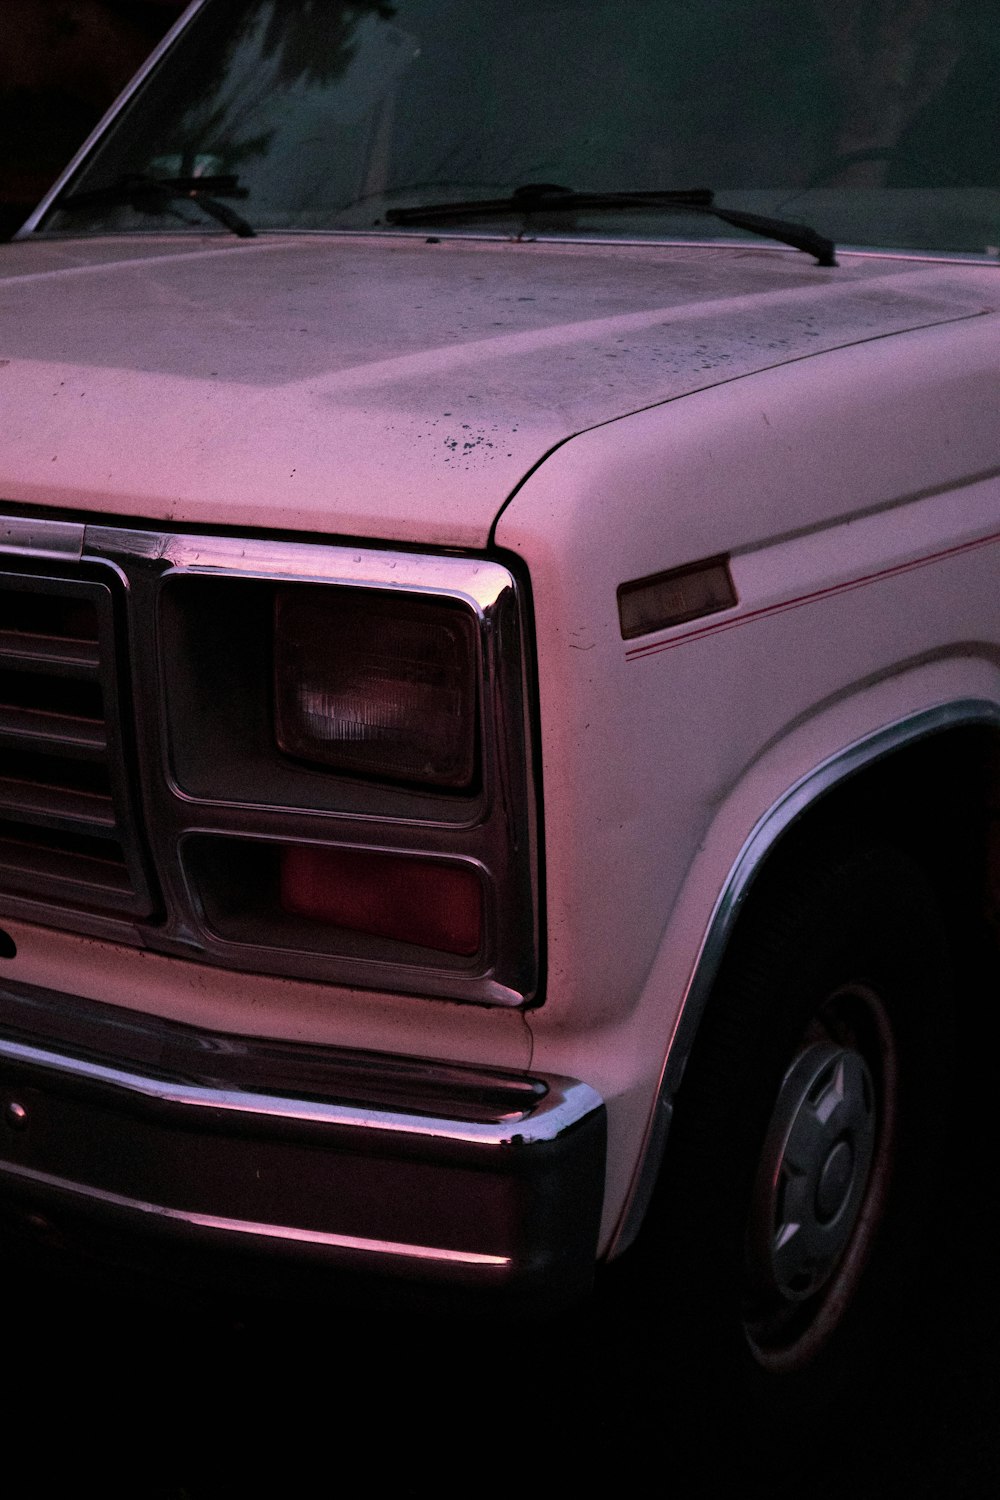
x: 784, y: 1239
x: 822, y: 1178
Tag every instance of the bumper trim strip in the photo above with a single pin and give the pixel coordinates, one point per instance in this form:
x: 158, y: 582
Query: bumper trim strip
x: 549, y: 1118
x: 244, y: 1226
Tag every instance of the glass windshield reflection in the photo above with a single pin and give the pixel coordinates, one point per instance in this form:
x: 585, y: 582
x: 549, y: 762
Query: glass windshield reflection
x: 875, y: 122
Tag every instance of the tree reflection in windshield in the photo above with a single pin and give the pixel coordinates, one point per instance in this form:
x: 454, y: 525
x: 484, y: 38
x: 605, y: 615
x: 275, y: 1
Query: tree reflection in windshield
x: 873, y: 120
x: 311, y: 41
x: 889, y: 60
x: 275, y: 51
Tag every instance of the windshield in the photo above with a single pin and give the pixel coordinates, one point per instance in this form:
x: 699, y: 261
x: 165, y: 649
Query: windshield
x: 875, y: 121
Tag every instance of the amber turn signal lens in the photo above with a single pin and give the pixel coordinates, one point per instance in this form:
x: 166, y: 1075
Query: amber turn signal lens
x: 665, y: 599
x: 427, y: 902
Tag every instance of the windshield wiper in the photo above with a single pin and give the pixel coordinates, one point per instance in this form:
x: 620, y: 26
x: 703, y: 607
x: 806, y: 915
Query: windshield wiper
x: 148, y: 194
x: 548, y: 197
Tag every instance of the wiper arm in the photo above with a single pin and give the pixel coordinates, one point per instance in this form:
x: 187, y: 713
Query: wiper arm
x: 548, y: 197
x: 147, y: 193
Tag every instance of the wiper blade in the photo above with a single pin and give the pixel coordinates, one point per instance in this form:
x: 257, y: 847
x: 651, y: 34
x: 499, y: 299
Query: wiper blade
x: 149, y: 193
x: 548, y: 197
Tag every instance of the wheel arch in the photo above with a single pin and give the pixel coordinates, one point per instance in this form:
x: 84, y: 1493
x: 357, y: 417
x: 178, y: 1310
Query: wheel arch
x: 871, y: 783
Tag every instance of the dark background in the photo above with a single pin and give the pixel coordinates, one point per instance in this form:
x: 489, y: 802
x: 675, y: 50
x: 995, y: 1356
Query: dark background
x: 62, y: 62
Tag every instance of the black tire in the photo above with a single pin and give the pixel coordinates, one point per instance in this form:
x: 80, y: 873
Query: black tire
x: 785, y: 1239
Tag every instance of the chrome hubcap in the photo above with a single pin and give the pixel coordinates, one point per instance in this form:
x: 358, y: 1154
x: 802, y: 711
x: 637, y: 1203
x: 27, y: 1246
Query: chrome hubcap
x: 822, y: 1180
x: 814, y: 1170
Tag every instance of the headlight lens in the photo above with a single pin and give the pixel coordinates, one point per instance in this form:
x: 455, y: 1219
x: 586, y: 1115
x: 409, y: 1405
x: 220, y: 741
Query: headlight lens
x: 381, y: 684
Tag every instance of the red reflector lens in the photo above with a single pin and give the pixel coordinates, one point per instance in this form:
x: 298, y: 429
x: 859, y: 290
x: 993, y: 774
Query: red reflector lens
x: 413, y: 901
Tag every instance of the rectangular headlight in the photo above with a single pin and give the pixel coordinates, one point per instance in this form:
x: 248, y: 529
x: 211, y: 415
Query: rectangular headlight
x: 382, y: 684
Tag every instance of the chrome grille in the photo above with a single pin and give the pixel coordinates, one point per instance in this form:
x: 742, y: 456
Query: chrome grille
x: 137, y: 732
x: 66, y: 822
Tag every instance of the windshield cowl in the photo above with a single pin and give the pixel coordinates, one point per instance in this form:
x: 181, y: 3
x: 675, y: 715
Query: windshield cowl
x: 531, y: 199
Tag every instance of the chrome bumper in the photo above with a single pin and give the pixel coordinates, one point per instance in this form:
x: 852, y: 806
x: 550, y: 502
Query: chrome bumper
x: 419, y: 1172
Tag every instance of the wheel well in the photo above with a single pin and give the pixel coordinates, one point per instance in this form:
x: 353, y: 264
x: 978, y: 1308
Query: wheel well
x: 938, y: 800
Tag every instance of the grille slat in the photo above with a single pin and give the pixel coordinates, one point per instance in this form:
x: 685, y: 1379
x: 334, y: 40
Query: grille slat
x: 20, y: 651
x: 67, y: 833
x: 56, y: 806
x: 45, y: 733
x: 65, y: 873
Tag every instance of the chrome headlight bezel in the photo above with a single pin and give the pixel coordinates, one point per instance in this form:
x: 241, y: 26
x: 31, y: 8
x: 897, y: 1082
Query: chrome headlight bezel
x: 215, y: 795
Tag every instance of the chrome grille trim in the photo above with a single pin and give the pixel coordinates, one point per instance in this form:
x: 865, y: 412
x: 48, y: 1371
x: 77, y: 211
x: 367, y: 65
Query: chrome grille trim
x: 67, y: 823
x: 22, y: 536
x: 166, y: 812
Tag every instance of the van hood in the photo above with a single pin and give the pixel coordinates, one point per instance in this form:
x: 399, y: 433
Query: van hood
x: 394, y: 388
